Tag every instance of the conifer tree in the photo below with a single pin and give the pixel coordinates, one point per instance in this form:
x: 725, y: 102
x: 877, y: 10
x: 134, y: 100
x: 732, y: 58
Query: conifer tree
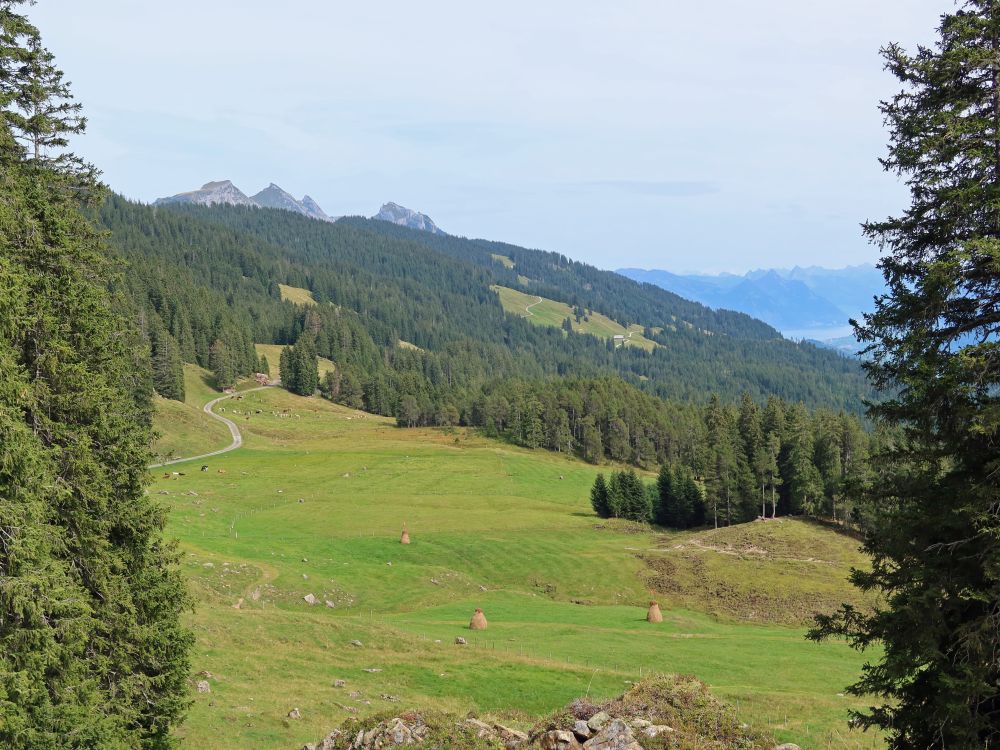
x: 599, y: 497
x: 932, y: 348
x: 168, y: 369
x: 92, y: 653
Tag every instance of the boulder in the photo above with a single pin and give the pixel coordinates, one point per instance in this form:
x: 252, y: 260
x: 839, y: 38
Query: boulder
x: 557, y: 739
x: 294, y: 714
x: 598, y: 720
x: 655, y: 730
x: 203, y: 686
x: 511, y: 738
x: 615, y: 735
x: 460, y: 641
x: 357, y: 643
x: 788, y: 746
x: 581, y: 730
x: 481, y: 728
x: 309, y: 599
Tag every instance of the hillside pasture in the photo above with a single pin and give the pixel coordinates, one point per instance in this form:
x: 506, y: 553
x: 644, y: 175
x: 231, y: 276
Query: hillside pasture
x: 546, y: 312
x: 314, y: 503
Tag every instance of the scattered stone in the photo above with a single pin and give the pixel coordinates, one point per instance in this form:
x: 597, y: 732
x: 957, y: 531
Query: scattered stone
x: 615, y: 735
x: 598, y: 720
x: 339, y: 683
x: 329, y: 604
x: 581, y: 730
x: 305, y: 577
x: 294, y: 714
x: 655, y: 730
x: 481, y: 728
x: 357, y: 643
x: 204, y: 687
x: 239, y: 603
x: 371, y: 671
x: 511, y: 738
x: 309, y: 599
x: 389, y: 698
x: 206, y: 674
x: 557, y: 739
x: 460, y: 641
x: 305, y: 559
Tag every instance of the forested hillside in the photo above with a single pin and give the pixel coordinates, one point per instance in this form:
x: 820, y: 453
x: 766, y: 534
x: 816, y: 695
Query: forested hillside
x: 210, y: 276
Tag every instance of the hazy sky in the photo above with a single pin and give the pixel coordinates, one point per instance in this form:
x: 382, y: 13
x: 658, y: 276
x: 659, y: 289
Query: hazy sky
x: 682, y: 135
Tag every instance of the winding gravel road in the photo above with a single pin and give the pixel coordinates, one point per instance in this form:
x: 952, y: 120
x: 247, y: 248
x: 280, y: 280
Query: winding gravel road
x: 233, y: 430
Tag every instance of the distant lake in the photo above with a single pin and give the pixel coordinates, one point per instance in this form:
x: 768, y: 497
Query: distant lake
x: 819, y: 334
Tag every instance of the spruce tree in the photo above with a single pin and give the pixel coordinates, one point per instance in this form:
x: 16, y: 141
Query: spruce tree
x: 932, y: 349
x: 92, y: 653
x: 168, y: 369
x: 599, y: 497
x: 664, y: 512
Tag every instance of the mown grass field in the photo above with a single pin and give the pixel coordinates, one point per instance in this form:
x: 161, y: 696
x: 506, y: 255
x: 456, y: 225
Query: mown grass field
x: 314, y: 504
x: 546, y: 312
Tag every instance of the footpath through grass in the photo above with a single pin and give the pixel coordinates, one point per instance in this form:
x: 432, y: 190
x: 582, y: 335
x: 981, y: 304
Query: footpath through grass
x: 314, y: 504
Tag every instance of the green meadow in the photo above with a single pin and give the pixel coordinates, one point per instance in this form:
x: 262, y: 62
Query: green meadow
x: 314, y: 503
x: 546, y: 312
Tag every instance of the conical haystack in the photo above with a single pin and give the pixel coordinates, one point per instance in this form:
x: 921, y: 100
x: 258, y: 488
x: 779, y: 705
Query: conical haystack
x: 404, y: 538
x: 654, y: 614
x: 478, y: 621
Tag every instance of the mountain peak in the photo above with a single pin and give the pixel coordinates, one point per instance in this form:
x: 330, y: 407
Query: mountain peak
x: 397, y: 214
x: 211, y: 193
x: 224, y: 192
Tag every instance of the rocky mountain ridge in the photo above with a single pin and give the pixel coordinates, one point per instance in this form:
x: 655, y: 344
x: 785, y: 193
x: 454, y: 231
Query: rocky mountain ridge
x: 224, y: 192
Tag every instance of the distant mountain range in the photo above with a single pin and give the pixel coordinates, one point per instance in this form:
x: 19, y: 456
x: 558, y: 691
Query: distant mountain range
x: 224, y: 192
x: 795, y: 301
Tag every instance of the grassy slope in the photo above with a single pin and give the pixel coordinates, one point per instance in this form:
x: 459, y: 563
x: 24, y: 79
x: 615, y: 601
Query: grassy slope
x: 782, y: 571
x: 548, y: 312
x: 296, y: 294
x: 273, y: 354
x: 185, y: 430
x: 314, y: 503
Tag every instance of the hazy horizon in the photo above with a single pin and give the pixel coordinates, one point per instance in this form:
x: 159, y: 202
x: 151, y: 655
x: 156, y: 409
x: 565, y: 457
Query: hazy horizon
x: 690, y: 139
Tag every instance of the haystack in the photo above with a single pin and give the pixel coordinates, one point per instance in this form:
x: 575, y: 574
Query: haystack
x: 404, y: 538
x: 654, y: 614
x: 478, y: 621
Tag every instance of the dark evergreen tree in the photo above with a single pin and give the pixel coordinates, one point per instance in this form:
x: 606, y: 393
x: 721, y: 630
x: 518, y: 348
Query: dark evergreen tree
x: 92, y: 653
x: 599, y: 497
x: 932, y: 346
x: 168, y: 369
x: 220, y: 362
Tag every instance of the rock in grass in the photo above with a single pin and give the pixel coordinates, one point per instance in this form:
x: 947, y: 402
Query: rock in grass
x: 598, y: 720
x: 294, y: 714
x: 460, y: 641
x: 204, y: 687
x: 357, y: 643
x: 558, y: 739
x: 616, y: 735
x: 309, y: 599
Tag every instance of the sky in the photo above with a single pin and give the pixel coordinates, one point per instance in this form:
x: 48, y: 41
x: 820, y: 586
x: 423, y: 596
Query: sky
x: 688, y: 136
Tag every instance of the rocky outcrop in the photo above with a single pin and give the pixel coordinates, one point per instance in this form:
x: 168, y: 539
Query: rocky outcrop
x: 659, y: 713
